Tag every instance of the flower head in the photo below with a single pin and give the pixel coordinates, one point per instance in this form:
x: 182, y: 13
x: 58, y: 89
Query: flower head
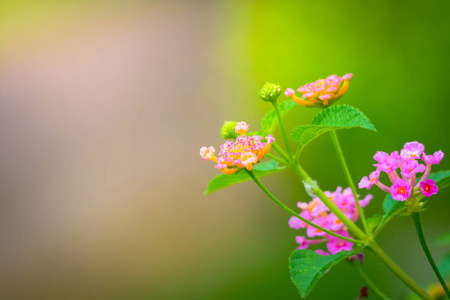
x: 270, y: 92
x: 244, y: 152
x: 322, y: 92
x: 316, y: 212
x: 408, y: 163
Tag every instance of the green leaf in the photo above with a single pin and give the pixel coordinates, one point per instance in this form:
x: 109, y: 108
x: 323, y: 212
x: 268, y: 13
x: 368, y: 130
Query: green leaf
x: 307, y: 267
x: 270, y: 122
x: 390, y: 206
x: 373, y: 222
x: 343, y: 116
x: 443, y: 239
x: 332, y: 118
x: 444, y: 265
x: 304, y: 134
x: 260, y: 170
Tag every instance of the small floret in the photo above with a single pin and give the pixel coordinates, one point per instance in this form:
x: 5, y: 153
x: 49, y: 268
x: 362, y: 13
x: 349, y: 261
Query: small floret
x: 336, y: 245
x: 428, y: 187
x: 401, y: 190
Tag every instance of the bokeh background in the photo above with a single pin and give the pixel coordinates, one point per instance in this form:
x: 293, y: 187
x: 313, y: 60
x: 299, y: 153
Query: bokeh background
x: 105, y: 104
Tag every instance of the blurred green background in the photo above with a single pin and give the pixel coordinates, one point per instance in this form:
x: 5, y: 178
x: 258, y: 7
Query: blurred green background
x: 104, y: 105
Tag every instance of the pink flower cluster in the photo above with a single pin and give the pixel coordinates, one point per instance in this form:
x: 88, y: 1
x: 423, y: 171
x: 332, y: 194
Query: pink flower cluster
x: 407, y: 162
x: 316, y: 212
x: 322, y: 92
x: 239, y: 154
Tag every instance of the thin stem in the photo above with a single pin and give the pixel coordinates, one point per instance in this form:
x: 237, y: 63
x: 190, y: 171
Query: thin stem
x: 297, y: 153
x: 398, y: 271
x: 293, y: 213
x: 367, y: 280
x: 281, y: 152
x: 384, y: 222
x: 371, y: 244
x: 283, y: 132
x: 276, y: 158
x: 418, y: 223
x: 331, y: 206
x: 349, y: 179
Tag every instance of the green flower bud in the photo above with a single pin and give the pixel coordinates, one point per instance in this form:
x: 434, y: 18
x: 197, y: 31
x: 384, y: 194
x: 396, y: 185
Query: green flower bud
x: 228, y: 130
x: 270, y: 92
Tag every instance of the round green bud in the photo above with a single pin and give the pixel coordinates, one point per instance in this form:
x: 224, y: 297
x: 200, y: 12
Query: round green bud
x: 270, y: 92
x: 228, y: 130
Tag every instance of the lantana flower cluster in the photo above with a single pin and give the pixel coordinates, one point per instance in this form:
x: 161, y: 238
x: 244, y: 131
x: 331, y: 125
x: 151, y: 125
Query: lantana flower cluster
x: 241, y: 153
x: 322, y: 92
x: 316, y: 212
x: 409, y: 166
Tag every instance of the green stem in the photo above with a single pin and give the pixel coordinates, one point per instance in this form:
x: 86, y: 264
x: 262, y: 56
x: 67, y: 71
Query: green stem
x: 297, y: 153
x: 276, y: 158
x: 331, y: 206
x: 371, y: 244
x: 349, y: 179
x: 281, y: 152
x: 293, y: 213
x: 367, y: 280
x: 398, y: 271
x: 283, y: 132
x: 418, y: 223
x: 385, y: 221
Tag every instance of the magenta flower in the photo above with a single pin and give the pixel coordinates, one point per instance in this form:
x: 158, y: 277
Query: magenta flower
x: 336, y: 245
x: 301, y: 240
x: 412, y: 150
x: 433, y: 159
x: 389, y: 164
x: 364, y: 202
x: 401, y: 190
x: 380, y: 156
x: 295, y: 223
x: 334, y: 222
x: 368, y: 182
x: 408, y: 162
x: 411, y: 167
x: 316, y: 212
x: 313, y: 231
x: 428, y: 187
